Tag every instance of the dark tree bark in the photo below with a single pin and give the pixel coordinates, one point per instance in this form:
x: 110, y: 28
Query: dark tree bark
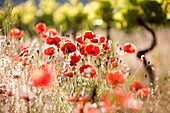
x: 108, y: 30
x: 30, y: 33
x: 143, y: 52
x: 74, y: 35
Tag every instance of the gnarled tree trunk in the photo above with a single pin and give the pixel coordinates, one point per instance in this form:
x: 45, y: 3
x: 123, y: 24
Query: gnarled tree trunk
x: 108, y: 30
x: 143, y: 52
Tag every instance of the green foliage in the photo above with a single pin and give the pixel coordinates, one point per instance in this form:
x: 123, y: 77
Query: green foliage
x: 122, y: 14
x: 6, y: 18
x: 136, y: 12
x: 45, y: 12
x: 25, y: 14
x: 152, y: 12
x: 105, y: 11
x: 71, y: 16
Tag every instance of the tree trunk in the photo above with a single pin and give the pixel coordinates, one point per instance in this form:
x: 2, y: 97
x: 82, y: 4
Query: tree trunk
x: 143, y: 52
x: 108, y: 30
x: 74, y: 35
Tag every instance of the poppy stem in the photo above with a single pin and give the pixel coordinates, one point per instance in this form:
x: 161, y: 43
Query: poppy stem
x: 136, y: 71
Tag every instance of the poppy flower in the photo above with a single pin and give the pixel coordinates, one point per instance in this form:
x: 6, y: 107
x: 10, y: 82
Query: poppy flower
x: 68, y: 73
x: 90, y: 108
x: 24, y: 49
x: 41, y: 27
x: 82, y: 49
x: 107, y: 100
x: 95, y: 40
x: 141, y: 90
x: 102, y: 55
x: 43, y: 35
x: 67, y: 47
x: 56, y: 41
x: 116, y: 77
x: 102, y: 39
x: 16, y: 33
x: 44, y: 76
x: 136, y: 85
x: 82, y: 100
x: 25, y: 60
x: 72, y: 98
x: 129, y: 102
x: 89, y: 35
x: 27, y: 98
x: 2, y: 89
x: 10, y: 93
x: 53, y: 40
x: 113, y: 61
x: 75, y: 57
x: 92, y: 50
x: 118, y: 91
x: 52, y: 32
x: 143, y: 93
x: 129, y: 48
x: 88, y: 70
x: 106, y: 46
x: 79, y: 39
x: 49, y: 51
x: 49, y: 40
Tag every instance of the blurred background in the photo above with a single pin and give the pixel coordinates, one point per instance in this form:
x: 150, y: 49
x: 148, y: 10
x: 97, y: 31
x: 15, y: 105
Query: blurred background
x: 146, y: 23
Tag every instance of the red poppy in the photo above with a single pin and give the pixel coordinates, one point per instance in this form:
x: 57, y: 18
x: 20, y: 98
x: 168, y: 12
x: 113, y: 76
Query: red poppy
x: 107, y: 100
x: 143, y: 93
x: 92, y: 49
x: 41, y: 27
x: 16, y: 33
x: 24, y: 49
x: 129, y: 102
x: 116, y: 77
x: 75, y: 57
x: 118, y: 91
x: 10, y: 93
x: 106, y: 46
x: 90, y: 108
x: 102, y: 39
x: 102, y: 55
x: 43, y: 35
x: 53, y: 40
x: 49, y: 40
x: 79, y: 39
x: 113, y: 61
x: 56, y: 41
x: 2, y: 89
x: 88, y: 70
x: 25, y: 60
x: 136, y: 85
x: 89, y: 35
x: 68, y: 73
x: 52, y: 31
x: 27, y: 98
x: 67, y: 46
x: 95, y: 40
x: 49, y: 51
x: 44, y: 76
x: 82, y: 100
x: 72, y: 98
x: 82, y: 49
x: 129, y: 48
x: 141, y: 90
